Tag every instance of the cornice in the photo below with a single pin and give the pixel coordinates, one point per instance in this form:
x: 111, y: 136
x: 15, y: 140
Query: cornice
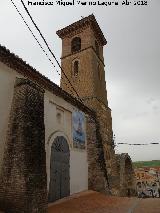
x: 16, y: 63
x: 87, y: 21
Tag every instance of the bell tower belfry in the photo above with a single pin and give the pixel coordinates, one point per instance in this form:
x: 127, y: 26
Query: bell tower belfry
x: 83, y: 63
x: 82, y: 59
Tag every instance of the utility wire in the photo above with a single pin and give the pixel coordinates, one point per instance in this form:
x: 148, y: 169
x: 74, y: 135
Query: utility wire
x: 49, y: 49
x: 138, y: 144
x: 32, y: 33
x: 38, y: 43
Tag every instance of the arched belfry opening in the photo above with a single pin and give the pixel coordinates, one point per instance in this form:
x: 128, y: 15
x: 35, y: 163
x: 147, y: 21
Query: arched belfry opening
x: 76, y: 44
x: 59, y: 185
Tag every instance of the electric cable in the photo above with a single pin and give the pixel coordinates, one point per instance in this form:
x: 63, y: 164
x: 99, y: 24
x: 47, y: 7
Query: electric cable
x: 138, y: 144
x: 50, y: 49
x: 39, y: 43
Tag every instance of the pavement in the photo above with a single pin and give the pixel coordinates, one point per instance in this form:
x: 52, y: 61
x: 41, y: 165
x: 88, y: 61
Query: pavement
x: 95, y: 202
x: 148, y: 205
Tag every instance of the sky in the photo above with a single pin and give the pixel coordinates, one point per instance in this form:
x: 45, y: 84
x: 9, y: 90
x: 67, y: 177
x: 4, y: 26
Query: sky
x: 132, y: 59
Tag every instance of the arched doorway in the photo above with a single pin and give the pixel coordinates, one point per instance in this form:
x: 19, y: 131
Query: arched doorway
x: 59, y: 185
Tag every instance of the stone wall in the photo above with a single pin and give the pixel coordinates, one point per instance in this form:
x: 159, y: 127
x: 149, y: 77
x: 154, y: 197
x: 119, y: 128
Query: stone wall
x: 103, y: 115
x: 90, y: 84
x: 126, y: 175
x: 98, y: 177
x: 23, y: 183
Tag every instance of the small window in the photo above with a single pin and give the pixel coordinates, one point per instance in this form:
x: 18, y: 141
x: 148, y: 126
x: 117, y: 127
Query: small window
x: 75, y: 68
x: 59, y: 117
x: 76, y: 44
x: 97, y: 47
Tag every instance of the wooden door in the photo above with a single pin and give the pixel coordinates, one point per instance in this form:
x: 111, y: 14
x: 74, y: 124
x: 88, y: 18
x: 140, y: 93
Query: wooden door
x: 59, y: 186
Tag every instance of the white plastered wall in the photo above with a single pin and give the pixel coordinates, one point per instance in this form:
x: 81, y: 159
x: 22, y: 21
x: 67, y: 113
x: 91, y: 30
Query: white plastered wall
x: 7, y: 81
x: 55, y: 105
x: 52, y: 105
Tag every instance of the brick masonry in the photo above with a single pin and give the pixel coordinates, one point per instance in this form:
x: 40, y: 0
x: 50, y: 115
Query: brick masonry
x: 127, y: 180
x: 90, y: 84
x: 23, y: 186
x: 23, y: 182
x: 106, y: 136
x: 98, y: 178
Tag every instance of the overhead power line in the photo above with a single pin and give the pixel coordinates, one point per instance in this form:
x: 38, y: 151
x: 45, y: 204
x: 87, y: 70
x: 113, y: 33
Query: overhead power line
x: 32, y: 33
x: 39, y: 43
x: 80, y: 99
x: 50, y: 49
x: 138, y: 144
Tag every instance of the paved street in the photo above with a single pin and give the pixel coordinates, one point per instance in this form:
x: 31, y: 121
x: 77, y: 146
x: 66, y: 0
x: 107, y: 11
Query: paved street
x: 94, y: 202
x: 149, y: 205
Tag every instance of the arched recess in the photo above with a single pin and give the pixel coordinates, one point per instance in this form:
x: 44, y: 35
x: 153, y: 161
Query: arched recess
x: 75, y: 67
x: 58, y: 172
x: 76, y: 44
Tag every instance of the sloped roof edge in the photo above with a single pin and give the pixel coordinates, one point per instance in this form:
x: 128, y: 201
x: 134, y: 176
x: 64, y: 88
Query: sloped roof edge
x: 15, y: 62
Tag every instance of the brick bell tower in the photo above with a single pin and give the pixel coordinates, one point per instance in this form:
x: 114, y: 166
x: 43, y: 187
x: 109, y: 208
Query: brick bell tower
x: 83, y: 63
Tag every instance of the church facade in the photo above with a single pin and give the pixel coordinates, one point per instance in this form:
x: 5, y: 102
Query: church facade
x: 52, y: 144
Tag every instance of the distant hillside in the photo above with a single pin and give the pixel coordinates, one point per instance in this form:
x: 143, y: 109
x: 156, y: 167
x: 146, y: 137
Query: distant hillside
x: 153, y: 163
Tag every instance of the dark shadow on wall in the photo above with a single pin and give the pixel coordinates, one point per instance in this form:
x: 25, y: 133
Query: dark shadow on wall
x: 23, y: 182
